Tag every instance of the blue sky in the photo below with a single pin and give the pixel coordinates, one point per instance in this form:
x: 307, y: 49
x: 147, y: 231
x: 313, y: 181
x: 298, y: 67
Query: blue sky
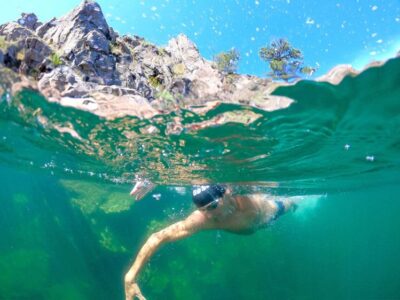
x: 328, y: 32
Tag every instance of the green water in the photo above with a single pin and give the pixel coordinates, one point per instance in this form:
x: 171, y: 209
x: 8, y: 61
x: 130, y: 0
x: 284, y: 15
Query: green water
x: 70, y: 231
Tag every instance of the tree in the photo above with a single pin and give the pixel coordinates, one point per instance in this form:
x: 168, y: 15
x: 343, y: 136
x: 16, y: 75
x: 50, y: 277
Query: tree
x: 285, y: 61
x: 227, y: 61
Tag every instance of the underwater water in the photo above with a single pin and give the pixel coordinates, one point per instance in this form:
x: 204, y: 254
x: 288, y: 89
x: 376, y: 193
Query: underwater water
x: 69, y: 229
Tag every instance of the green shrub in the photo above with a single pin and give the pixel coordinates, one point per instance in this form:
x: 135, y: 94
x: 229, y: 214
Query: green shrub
x: 20, y: 55
x: 3, y: 43
x: 56, y: 59
x: 162, y: 52
x: 115, y: 49
x: 155, y: 82
x: 147, y: 43
x: 166, y: 96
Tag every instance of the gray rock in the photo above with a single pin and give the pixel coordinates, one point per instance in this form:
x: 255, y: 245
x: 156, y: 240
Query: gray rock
x: 180, y: 87
x: 29, y: 21
x: 115, y: 90
x: 14, y: 32
x: 83, y: 38
x: 186, y: 63
x: 70, y: 32
x: 10, y: 57
x: 185, y: 51
x: 133, y: 41
x: 43, y: 28
x: 63, y: 81
x: 121, y: 74
x: 36, y: 51
x: 24, y: 51
x: 97, y: 41
x: 113, y: 35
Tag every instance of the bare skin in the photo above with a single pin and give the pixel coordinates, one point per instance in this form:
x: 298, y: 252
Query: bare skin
x: 236, y: 214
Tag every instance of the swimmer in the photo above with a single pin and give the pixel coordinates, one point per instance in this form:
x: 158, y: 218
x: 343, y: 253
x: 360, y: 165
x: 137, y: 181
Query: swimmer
x: 217, y: 208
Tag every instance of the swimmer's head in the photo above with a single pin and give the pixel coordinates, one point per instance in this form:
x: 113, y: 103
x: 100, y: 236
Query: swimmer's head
x: 206, y: 196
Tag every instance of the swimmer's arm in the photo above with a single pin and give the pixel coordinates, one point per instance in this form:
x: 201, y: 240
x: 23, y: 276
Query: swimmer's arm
x: 195, y: 222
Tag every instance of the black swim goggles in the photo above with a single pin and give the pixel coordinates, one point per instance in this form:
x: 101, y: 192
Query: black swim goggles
x: 210, y: 206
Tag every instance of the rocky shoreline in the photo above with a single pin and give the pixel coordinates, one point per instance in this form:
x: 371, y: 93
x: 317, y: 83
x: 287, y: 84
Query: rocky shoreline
x: 79, y: 60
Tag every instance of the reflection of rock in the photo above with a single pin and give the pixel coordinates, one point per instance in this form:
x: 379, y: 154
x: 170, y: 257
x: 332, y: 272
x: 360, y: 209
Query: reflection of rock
x: 337, y: 74
x: 110, y: 106
x: 241, y: 117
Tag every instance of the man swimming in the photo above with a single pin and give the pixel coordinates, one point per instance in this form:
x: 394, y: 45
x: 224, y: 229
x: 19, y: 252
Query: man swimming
x: 217, y: 208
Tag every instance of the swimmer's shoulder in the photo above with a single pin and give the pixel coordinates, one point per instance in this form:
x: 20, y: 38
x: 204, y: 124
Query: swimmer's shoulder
x: 258, y: 196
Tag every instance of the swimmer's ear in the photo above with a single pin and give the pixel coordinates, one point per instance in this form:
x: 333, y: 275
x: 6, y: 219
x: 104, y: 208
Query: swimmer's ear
x: 228, y: 189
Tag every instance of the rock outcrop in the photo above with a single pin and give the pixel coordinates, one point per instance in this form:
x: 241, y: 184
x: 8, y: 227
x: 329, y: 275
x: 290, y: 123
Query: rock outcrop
x: 29, y: 21
x: 80, y: 57
x: 80, y: 60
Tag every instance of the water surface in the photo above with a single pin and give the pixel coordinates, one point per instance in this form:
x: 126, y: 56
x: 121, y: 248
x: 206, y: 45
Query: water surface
x: 69, y: 229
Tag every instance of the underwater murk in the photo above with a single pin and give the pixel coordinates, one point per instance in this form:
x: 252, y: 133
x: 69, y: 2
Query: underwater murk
x: 69, y: 229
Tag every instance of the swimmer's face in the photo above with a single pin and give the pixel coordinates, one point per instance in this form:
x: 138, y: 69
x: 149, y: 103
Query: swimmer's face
x: 212, y: 205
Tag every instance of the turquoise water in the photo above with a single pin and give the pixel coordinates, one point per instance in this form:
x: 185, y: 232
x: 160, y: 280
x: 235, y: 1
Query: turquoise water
x: 69, y: 229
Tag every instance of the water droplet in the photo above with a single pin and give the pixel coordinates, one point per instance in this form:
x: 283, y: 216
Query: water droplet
x: 8, y: 98
x: 157, y: 196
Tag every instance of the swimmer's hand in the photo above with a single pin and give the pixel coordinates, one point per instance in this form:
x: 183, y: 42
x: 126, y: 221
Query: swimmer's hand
x: 132, y: 291
x: 141, y: 189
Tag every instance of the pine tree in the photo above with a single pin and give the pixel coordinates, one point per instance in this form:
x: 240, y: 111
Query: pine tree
x: 285, y: 61
x: 227, y: 61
